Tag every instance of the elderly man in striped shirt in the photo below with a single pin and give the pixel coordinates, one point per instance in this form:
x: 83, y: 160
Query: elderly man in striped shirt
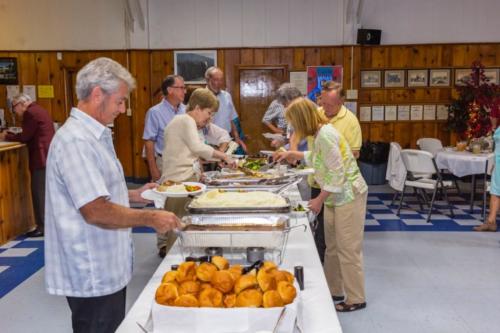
x: 88, y: 241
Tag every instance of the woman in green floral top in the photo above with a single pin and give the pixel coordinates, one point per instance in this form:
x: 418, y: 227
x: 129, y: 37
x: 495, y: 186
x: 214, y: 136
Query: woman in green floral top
x: 343, y: 193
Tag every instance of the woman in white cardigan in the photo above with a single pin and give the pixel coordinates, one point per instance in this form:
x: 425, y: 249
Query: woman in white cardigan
x: 184, y: 148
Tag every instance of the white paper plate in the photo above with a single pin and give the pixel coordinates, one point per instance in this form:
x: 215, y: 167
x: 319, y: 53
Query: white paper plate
x: 183, y: 194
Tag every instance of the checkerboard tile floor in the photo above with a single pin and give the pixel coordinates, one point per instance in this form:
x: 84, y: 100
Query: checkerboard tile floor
x: 21, y: 258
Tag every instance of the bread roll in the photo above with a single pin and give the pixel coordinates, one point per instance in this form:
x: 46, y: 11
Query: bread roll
x: 282, y: 276
x: 189, y: 287
x: 205, y: 271
x: 187, y: 301
x: 268, y: 266
x: 246, y: 281
x: 210, y: 297
x: 287, y: 292
x: 230, y: 300
x: 205, y: 285
x: 169, y: 277
x: 272, y: 299
x: 266, y: 280
x: 186, y: 272
x: 220, y: 262
x: 250, y: 298
x: 223, y: 281
x: 166, y: 294
x: 236, y: 271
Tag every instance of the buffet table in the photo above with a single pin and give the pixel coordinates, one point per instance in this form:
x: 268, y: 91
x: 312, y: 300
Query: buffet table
x: 316, y: 309
x: 16, y: 212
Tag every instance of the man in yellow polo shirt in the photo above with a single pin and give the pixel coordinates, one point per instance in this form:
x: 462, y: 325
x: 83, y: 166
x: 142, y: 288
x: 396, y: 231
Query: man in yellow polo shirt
x: 344, y: 121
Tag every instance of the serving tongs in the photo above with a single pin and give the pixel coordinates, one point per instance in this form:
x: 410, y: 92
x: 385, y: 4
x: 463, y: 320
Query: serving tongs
x: 247, y: 171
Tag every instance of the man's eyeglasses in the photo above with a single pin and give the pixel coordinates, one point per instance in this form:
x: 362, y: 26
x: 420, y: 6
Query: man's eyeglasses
x: 179, y: 87
x: 14, y: 105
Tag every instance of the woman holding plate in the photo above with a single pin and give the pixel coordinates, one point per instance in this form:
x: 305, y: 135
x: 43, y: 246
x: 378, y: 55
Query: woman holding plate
x: 344, y: 195
x: 183, y: 150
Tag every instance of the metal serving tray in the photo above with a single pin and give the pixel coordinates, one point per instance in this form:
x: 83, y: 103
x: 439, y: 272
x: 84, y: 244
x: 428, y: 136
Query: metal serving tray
x: 240, y: 210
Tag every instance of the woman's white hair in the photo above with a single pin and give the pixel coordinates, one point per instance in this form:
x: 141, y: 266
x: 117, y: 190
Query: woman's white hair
x: 104, y: 73
x: 21, y: 98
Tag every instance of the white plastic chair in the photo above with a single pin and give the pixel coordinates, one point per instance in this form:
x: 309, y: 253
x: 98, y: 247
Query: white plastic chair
x: 396, y: 171
x: 431, y: 145
x: 422, y: 162
x: 490, y: 166
x: 434, y: 146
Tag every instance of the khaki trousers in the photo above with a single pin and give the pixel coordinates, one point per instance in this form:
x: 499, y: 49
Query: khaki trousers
x: 176, y: 206
x: 344, y: 227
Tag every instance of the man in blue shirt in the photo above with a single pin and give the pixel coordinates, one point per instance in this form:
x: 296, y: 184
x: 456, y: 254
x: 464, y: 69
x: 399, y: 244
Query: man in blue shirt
x: 226, y: 116
x: 158, y: 117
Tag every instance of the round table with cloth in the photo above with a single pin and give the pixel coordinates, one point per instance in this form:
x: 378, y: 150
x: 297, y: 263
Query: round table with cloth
x: 464, y: 163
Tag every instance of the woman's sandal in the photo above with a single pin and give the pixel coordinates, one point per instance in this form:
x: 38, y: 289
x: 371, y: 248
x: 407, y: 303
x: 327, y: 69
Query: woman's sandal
x: 344, y: 307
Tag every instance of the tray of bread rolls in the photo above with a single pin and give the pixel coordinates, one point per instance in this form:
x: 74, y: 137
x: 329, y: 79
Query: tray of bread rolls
x: 218, y: 201
x: 214, y: 296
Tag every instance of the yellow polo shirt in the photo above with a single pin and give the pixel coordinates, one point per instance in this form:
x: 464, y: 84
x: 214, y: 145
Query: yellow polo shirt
x: 347, y: 124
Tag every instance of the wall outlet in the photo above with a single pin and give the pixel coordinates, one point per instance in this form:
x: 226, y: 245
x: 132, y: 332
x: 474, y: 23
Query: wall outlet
x: 129, y: 112
x: 351, y: 94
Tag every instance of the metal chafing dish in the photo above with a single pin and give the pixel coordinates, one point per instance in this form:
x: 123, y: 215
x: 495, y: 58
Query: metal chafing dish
x: 218, y: 180
x: 239, y: 210
x: 235, y: 233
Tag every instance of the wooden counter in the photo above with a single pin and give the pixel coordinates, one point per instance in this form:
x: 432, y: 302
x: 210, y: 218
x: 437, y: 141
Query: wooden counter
x: 16, y: 208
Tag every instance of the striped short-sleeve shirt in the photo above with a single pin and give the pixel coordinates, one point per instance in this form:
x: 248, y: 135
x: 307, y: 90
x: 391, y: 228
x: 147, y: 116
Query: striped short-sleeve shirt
x: 81, y: 259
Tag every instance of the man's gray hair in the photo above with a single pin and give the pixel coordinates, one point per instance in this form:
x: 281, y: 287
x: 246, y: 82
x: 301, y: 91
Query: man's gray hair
x: 286, y: 93
x: 21, y: 98
x: 210, y: 71
x: 104, y: 73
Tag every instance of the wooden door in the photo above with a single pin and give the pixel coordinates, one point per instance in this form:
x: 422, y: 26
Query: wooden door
x: 255, y: 89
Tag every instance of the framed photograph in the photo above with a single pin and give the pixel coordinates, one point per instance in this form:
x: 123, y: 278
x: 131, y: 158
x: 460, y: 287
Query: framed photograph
x: 403, y: 112
x: 417, y: 77
x: 394, y: 78
x: 416, y: 112
x: 462, y: 75
x: 371, y: 79
x: 429, y: 112
x: 439, y: 77
x: 191, y: 65
x: 492, y: 75
x: 391, y: 112
x: 365, y: 113
x: 378, y: 113
x: 8, y: 71
x: 442, y: 112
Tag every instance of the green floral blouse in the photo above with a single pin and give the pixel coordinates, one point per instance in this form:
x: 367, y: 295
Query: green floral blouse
x: 335, y: 167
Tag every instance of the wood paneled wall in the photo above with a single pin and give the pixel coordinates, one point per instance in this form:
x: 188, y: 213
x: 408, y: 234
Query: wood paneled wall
x: 149, y: 67
x: 417, y: 57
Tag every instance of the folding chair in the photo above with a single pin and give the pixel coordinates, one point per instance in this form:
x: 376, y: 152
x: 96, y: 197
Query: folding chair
x: 419, y: 162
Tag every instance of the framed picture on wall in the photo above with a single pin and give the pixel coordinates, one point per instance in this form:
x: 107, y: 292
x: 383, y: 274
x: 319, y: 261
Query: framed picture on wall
x: 8, y: 71
x: 492, y: 75
x: 417, y: 77
x: 371, y: 79
x: 394, y: 78
x: 318, y: 75
x: 439, y: 77
x: 191, y: 65
x: 462, y: 75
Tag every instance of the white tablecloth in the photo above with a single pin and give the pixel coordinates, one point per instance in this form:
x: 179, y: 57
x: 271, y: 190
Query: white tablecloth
x: 316, y: 312
x: 462, y: 163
